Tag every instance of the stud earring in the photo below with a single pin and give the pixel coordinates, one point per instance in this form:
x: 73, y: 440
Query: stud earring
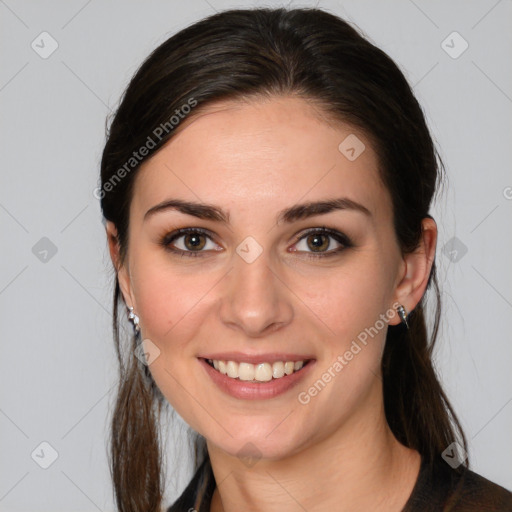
x: 402, y: 313
x: 133, y: 318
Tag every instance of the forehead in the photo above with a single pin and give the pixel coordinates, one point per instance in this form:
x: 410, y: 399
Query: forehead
x: 265, y: 154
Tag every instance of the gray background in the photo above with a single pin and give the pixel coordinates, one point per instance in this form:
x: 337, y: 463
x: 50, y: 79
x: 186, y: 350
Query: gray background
x: 57, y: 367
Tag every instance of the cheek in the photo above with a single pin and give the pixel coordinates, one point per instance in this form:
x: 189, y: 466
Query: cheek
x: 345, y: 302
x: 172, y: 308
x: 168, y: 302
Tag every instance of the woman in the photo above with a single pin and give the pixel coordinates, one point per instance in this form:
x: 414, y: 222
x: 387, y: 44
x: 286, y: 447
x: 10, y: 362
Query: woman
x: 266, y: 185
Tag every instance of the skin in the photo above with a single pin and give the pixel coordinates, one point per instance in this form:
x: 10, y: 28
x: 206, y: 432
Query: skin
x: 254, y: 159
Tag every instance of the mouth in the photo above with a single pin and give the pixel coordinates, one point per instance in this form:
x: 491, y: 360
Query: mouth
x: 258, y: 380
x: 257, y: 373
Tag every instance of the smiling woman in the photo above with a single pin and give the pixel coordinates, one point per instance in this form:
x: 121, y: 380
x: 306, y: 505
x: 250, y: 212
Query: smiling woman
x: 273, y: 250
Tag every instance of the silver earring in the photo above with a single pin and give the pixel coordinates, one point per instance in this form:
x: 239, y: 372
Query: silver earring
x: 402, y: 313
x: 133, y: 318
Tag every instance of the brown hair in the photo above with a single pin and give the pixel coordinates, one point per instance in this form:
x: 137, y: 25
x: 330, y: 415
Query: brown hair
x: 315, y: 55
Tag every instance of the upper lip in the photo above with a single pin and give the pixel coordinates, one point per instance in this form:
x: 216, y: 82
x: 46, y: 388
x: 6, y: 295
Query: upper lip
x: 239, y: 357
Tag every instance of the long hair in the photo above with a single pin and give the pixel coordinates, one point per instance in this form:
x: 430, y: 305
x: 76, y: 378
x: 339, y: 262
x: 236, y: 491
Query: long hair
x: 305, y: 53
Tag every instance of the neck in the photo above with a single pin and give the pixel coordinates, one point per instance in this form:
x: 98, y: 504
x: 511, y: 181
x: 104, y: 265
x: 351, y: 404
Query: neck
x: 361, y: 466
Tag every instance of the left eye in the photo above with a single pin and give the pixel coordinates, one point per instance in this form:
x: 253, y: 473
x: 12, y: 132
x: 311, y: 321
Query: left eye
x: 322, y: 242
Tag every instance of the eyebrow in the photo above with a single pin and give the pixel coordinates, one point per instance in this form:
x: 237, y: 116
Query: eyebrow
x: 288, y: 215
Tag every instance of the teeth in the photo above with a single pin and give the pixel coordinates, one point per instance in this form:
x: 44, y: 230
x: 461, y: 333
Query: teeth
x: 246, y: 371
x: 261, y: 372
x: 278, y: 370
x: 232, y: 368
x: 288, y: 367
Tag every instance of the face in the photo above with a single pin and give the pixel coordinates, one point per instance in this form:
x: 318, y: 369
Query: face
x: 259, y: 279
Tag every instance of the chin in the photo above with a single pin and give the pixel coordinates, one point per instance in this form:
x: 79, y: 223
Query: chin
x: 252, y: 446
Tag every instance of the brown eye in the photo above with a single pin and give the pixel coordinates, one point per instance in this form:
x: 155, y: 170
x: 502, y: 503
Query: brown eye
x: 322, y: 242
x: 194, y: 241
x: 189, y: 242
x: 318, y: 242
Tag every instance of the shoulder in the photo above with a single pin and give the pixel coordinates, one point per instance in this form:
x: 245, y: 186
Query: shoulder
x: 440, y: 487
x: 474, y: 492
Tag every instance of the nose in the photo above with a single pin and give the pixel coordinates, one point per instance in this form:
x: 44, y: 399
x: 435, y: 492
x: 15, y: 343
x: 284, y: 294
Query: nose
x: 255, y: 301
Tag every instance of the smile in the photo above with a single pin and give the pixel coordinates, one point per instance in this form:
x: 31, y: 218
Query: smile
x: 261, y: 372
x: 264, y: 377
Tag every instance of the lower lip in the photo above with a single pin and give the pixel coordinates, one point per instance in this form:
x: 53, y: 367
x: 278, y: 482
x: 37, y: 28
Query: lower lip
x: 248, y: 390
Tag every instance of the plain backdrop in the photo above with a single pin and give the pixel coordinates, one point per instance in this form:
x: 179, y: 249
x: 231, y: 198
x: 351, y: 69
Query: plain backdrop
x: 57, y: 366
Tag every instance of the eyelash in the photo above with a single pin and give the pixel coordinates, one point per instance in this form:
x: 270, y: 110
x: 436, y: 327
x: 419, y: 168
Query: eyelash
x: 341, y: 238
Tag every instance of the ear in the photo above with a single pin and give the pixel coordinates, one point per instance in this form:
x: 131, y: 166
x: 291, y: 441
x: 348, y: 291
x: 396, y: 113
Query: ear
x: 416, y: 270
x: 121, y: 267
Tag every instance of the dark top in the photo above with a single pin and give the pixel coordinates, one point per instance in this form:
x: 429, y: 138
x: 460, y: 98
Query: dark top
x: 438, y: 488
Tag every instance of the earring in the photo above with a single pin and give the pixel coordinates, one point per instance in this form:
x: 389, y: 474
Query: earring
x: 402, y: 313
x: 133, y: 318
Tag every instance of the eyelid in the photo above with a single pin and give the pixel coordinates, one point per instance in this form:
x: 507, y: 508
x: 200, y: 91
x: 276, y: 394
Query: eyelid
x: 324, y: 230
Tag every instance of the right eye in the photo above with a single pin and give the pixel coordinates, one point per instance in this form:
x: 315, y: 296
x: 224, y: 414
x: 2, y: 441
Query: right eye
x: 191, y: 242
